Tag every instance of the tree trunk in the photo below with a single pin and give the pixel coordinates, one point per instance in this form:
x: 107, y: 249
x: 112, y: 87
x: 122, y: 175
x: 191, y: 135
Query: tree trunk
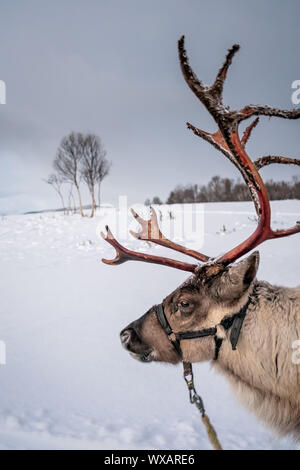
x: 93, y: 201
x: 63, y: 204
x: 99, y: 195
x: 74, y: 204
x: 62, y: 201
x: 79, y: 197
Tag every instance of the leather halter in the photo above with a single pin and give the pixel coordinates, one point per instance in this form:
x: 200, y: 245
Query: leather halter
x: 235, y: 322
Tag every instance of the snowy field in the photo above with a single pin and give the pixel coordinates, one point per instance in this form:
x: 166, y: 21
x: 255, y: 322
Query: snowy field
x: 67, y: 383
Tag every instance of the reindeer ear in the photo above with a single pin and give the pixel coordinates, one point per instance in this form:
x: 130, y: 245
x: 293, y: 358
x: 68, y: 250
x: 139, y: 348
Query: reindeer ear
x: 234, y: 282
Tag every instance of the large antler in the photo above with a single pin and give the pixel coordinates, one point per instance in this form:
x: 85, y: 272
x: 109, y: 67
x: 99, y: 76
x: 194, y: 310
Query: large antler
x: 227, y: 141
x: 123, y: 255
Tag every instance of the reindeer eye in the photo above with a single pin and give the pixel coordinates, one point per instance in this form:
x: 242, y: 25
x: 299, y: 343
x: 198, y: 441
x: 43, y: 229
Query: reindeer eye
x: 184, y: 304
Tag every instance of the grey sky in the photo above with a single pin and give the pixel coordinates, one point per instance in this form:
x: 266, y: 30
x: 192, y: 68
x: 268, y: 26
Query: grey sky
x: 111, y: 67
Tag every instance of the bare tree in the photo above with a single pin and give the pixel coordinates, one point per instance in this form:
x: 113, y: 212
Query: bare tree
x: 94, y: 166
x: 56, y: 182
x: 71, y: 200
x: 67, y: 161
x: 103, y: 171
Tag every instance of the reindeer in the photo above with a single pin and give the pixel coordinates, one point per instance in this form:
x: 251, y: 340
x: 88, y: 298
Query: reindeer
x: 222, y: 313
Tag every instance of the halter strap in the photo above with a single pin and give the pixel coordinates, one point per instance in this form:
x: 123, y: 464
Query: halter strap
x: 235, y: 322
x: 167, y: 329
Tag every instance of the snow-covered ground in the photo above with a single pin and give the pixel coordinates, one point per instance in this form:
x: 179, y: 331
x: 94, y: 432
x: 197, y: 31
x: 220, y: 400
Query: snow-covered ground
x: 67, y: 383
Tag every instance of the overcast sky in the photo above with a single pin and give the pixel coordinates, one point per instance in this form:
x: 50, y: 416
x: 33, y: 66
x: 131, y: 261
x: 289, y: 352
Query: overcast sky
x: 110, y: 67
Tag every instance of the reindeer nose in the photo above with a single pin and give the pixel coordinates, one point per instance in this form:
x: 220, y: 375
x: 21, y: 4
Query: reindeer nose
x: 127, y: 336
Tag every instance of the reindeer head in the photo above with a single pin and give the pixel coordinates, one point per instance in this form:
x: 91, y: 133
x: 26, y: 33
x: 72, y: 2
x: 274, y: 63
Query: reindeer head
x: 193, y: 308
x: 189, y: 322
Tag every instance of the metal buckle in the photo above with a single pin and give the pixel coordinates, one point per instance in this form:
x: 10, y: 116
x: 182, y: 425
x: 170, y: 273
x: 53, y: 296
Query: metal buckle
x: 172, y: 337
x: 189, y: 379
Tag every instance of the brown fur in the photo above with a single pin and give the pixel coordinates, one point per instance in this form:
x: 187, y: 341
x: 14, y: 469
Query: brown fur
x: 261, y: 370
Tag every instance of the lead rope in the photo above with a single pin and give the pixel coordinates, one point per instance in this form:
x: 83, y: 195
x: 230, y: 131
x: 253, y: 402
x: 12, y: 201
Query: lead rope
x: 197, y: 400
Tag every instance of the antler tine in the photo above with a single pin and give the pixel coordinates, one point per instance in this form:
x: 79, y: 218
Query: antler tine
x: 123, y: 255
x: 217, y: 87
x: 121, y: 251
x: 287, y: 232
x: 217, y: 140
x: 258, y: 110
x: 270, y: 159
x: 191, y: 78
x: 149, y: 229
x: 151, y: 232
x: 248, y: 131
